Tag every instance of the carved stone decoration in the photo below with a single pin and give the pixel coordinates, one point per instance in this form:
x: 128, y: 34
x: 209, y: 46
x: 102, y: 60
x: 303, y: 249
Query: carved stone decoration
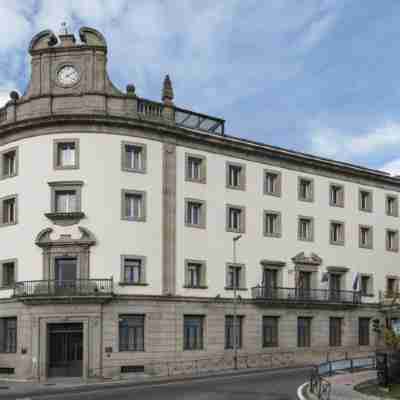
x: 92, y: 37
x: 65, y: 246
x: 167, y: 92
x: 302, y: 259
x: 42, y: 40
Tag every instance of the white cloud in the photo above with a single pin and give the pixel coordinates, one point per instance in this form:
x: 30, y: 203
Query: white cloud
x: 346, y: 146
x: 393, y: 167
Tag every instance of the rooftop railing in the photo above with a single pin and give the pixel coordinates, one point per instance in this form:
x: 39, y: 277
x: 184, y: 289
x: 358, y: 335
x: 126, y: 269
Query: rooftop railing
x: 59, y: 288
x: 299, y: 295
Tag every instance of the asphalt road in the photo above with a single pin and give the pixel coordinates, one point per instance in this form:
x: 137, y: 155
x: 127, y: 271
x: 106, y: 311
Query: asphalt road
x: 267, y: 385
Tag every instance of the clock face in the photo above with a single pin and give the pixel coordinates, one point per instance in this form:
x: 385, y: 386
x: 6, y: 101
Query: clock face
x: 68, y: 76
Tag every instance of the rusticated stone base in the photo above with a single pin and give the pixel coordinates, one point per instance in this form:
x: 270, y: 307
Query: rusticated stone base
x: 164, y: 354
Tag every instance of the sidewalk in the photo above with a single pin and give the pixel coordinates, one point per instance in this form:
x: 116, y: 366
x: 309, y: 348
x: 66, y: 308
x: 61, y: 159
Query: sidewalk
x: 343, y: 386
x: 14, y: 390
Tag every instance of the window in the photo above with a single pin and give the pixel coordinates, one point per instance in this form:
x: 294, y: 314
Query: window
x: 272, y: 183
x: 363, y: 331
x: 337, y: 233
x: 391, y: 286
x: 195, y: 274
x: 195, y: 168
x: 392, y: 206
x: 133, y: 270
x: 235, y: 219
x: 272, y: 224
x: 365, y: 200
x: 66, y: 154
x: 270, y: 331
x: 66, y: 201
x: 8, y: 335
x: 235, y: 176
x: 230, y: 331
x: 303, y: 332
x: 335, y: 332
x: 306, y: 189
x: 8, y: 273
x: 365, y: 237
x: 235, y: 276
x: 306, y: 229
x: 193, y: 332
x: 195, y: 213
x: 392, y: 240
x: 336, y: 196
x: 9, y: 161
x: 131, y: 332
x: 133, y: 205
x: 366, y: 285
x: 134, y: 157
x: 9, y: 210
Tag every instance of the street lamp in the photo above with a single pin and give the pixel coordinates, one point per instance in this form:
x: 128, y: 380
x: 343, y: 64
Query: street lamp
x: 235, y: 287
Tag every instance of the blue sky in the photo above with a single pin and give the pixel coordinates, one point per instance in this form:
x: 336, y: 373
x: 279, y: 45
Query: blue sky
x: 317, y: 76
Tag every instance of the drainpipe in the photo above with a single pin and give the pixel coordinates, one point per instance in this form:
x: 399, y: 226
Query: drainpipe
x: 101, y: 340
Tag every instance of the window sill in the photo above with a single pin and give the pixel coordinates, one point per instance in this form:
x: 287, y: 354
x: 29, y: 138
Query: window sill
x: 273, y: 235
x: 198, y: 226
x: 236, y: 187
x: 366, y: 247
x: 336, y: 243
x: 195, y: 287
x: 130, y: 219
x: 61, y: 167
x: 365, y: 210
x: 337, y: 205
x: 65, y: 218
x: 133, y: 284
x: 306, y: 200
x: 138, y: 171
x: 9, y: 287
x: 274, y: 194
x: 8, y: 224
x: 231, y: 288
x: 131, y: 351
x: 240, y: 231
x: 195, y: 180
x: 9, y: 176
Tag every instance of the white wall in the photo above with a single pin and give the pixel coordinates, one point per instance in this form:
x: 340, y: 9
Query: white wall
x: 100, y: 170
x: 214, y: 244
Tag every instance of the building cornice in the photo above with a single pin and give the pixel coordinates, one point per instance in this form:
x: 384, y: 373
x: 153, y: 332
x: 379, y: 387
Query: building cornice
x: 222, y: 144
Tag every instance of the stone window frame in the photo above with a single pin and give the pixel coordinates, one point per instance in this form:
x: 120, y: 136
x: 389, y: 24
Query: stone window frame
x: 307, y: 339
x: 312, y: 186
x: 203, y: 329
x: 242, y: 284
x: 2, y: 200
x: 16, y: 166
x: 242, y: 178
x: 277, y: 234
x: 311, y: 219
x: 342, y: 196
x: 370, y: 245
x: 6, y: 347
x: 144, y: 329
x: 143, y: 280
x: 203, y: 213
x: 56, y: 143
x: 396, y: 280
x: 364, y: 335
x: 273, y: 265
x: 370, y: 289
x: 396, y: 232
x: 65, y: 218
x: 124, y: 163
x: 332, y: 337
x: 278, y: 174
x: 343, y: 228
x: 203, y: 273
x: 142, y: 193
x: 203, y: 168
x: 276, y: 319
x: 229, y: 324
x: 6, y: 261
x: 396, y: 202
x: 242, y: 228
x: 371, y: 200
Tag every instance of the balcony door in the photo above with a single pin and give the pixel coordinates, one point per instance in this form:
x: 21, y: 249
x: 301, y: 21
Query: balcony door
x: 65, y: 271
x: 270, y: 282
x: 304, y: 284
x: 334, y: 286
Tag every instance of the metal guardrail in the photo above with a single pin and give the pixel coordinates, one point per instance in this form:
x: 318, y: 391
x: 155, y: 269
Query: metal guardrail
x: 78, y: 287
x: 306, y: 295
x: 321, y: 387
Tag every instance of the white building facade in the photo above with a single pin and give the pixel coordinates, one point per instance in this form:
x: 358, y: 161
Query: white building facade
x: 118, y: 216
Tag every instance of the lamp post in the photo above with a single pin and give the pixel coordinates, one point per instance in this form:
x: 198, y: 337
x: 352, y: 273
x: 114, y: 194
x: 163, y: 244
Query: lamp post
x: 235, y: 287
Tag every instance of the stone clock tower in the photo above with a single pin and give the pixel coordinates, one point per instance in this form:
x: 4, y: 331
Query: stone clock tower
x: 70, y: 76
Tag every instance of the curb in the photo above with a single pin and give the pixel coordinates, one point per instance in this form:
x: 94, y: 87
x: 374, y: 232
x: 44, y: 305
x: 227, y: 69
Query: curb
x: 300, y: 391
x: 126, y: 384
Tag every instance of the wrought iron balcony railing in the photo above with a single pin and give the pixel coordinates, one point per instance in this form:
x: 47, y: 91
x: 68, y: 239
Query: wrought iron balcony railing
x: 61, y: 288
x: 298, y: 295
